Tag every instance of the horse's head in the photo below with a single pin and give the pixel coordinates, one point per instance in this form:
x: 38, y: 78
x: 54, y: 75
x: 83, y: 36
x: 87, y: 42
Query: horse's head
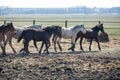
x: 9, y: 26
x: 57, y: 30
x: 98, y: 27
x: 54, y: 30
x: 101, y: 27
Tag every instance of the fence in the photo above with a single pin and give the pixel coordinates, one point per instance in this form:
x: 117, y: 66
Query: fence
x: 64, y: 23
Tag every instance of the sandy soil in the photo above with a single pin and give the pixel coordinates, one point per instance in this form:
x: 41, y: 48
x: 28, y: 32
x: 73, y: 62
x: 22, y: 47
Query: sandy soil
x: 66, y: 65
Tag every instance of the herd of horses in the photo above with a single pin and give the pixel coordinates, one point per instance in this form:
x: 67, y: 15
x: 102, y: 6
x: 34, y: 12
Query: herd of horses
x: 36, y: 33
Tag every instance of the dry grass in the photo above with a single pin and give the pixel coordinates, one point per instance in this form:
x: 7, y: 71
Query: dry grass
x: 66, y: 65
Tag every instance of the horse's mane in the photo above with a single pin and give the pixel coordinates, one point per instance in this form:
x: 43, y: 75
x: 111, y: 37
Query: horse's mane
x: 97, y: 26
x: 2, y: 28
x: 77, y: 26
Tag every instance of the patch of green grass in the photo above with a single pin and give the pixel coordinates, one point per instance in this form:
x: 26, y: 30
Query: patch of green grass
x: 113, y: 29
x: 113, y: 33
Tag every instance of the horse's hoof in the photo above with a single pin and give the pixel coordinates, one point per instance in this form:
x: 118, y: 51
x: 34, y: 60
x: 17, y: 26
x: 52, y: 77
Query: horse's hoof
x: 3, y: 54
x: 39, y: 53
x: 61, y: 50
x: 73, y: 50
x: 48, y: 53
x: 15, y: 52
x: 27, y: 54
x: 82, y: 49
x: 44, y: 50
x: 69, y: 49
x: 55, y: 50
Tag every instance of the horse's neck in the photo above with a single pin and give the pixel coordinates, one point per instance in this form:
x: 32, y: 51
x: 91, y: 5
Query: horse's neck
x: 50, y: 33
x: 4, y: 31
x: 96, y: 31
x: 18, y: 32
x: 77, y: 30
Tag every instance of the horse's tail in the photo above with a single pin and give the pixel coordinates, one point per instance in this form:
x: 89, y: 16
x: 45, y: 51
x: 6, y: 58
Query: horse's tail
x: 21, y: 36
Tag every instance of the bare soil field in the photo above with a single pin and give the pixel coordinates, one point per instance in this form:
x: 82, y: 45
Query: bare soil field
x: 65, y: 65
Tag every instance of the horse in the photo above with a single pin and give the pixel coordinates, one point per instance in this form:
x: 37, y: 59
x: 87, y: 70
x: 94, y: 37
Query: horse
x: 7, y: 27
x: 91, y: 34
x: 69, y: 33
x: 17, y: 33
x: 43, y: 35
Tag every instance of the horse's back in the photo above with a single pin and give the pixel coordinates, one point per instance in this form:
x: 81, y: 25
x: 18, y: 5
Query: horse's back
x: 37, y: 35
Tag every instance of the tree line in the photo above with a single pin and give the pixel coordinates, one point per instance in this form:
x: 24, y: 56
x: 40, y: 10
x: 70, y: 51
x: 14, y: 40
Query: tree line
x: 71, y: 10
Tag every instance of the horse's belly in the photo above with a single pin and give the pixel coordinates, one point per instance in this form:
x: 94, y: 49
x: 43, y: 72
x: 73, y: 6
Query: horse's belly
x: 67, y: 35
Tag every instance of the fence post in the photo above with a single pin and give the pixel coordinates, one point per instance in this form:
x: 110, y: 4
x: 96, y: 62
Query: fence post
x: 65, y: 23
x: 33, y: 22
x: 4, y: 21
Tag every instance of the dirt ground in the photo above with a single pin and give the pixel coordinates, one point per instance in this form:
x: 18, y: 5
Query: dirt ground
x: 65, y: 65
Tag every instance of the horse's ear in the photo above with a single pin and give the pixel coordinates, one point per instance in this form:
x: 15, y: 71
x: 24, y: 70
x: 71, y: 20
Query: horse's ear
x: 11, y: 22
x: 99, y: 22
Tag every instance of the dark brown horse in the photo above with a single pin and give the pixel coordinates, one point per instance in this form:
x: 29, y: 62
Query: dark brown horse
x: 5, y: 28
x: 39, y: 35
x: 93, y: 34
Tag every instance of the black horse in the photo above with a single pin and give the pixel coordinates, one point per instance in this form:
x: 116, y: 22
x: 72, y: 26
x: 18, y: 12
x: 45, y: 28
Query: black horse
x: 39, y: 35
x: 93, y: 34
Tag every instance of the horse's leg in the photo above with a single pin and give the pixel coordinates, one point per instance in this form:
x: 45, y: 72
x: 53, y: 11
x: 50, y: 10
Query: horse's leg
x: 36, y: 45
x: 98, y: 43
x: 55, y: 46
x: 46, y: 44
x: 3, y: 50
x: 54, y: 38
x: 3, y: 54
x: 81, y: 43
x: 90, y: 44
x: 10, y: 43
x: 76, y: 38
x: 3, y: 47
x: 72, y: 47
x: 54, y: 41
x: 58, y: 42
x: 26, y: 46
x: 22, y: 48
x: 41, y: 48
x: 73, y: 43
